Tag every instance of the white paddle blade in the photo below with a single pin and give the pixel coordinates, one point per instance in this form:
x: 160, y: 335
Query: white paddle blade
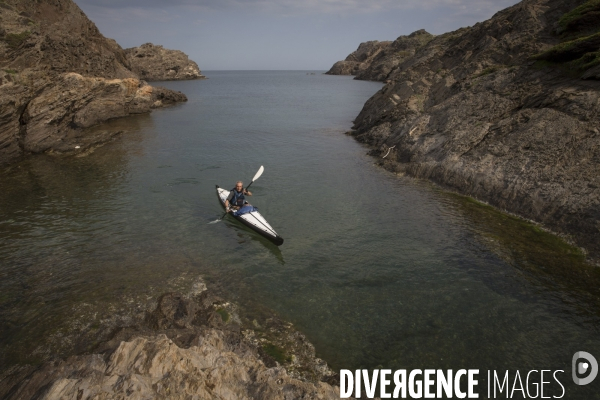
x: 259, y: 173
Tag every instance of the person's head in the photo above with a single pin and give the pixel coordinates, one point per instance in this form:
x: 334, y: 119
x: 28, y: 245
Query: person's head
x: 239, y: 185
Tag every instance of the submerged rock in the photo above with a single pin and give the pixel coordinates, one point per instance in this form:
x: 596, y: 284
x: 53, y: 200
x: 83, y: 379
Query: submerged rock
x: 155, y: 63
x: 187, y: 348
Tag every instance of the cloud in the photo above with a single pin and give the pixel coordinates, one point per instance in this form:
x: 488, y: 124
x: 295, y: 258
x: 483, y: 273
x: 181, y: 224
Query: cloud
x: 480, y: 7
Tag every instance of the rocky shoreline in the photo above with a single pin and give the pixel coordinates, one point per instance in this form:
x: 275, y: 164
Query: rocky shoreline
x: 195, y: 346
x: 60, y: 78
x: 504, y: 112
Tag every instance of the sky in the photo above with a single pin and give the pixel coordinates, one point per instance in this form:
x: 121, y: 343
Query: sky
x: 277, y: 34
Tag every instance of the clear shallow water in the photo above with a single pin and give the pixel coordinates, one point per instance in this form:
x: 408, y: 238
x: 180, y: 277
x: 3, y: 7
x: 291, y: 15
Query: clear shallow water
x: 377, y: 270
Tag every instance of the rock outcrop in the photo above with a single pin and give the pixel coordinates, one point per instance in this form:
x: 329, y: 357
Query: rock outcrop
x: 375, y: 61
x: 155, y: 63
x: 59, y: 77
x: 404, y: 47
x: 188, y: 348
x: 505, y: 111
x: 358, y: 60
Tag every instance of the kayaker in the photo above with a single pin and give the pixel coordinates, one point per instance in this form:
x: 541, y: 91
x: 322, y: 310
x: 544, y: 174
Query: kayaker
x: 236, y: 198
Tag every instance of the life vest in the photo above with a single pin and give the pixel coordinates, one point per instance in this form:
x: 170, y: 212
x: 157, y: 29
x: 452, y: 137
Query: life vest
x: 238, y: 198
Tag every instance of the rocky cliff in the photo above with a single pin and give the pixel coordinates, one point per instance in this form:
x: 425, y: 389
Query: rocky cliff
x: 59, y: 76
x: 374, y: 61
x: 155, y: 63
x: 505, y: 111
x: 195, y: 347
x: 358, y: 60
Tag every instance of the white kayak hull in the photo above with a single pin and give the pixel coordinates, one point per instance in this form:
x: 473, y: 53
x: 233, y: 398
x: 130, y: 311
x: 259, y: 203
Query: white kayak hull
x: 253, y: 220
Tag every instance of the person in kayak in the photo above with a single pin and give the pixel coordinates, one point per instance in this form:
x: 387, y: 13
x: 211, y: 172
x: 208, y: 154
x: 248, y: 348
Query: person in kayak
x: 236, y: 198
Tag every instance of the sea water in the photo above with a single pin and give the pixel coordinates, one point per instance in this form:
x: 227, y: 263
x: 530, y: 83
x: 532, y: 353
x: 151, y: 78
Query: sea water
x: 379, y: 271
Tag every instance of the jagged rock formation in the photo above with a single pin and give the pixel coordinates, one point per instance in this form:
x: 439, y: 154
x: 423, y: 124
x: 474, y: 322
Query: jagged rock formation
x: 404, y: 47
x: 188, y: 348
x: 59, y: 77
x: 473, y: 111
x: 155, y: 63
x: 359, y: 59
x: 375, y: 61
x: 56, y: 119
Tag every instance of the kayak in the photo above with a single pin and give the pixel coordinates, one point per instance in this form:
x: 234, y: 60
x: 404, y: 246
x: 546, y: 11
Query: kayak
x: 253, y: 220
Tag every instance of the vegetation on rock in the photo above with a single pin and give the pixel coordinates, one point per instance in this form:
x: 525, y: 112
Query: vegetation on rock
x: 580, y: 45
x: 14, y: 40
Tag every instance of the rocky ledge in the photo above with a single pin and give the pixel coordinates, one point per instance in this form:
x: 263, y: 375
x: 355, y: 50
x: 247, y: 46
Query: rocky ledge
x: 60, y: 77
x: 155, y: 63
x: 506, y: 112
x: 195, y: 347
x: 59, y: 119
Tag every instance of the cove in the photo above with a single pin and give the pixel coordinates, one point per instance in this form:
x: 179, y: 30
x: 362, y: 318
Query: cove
x: 379, y: 271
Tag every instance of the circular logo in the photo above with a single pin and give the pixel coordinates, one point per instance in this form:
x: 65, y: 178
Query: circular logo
x: 589, y: 366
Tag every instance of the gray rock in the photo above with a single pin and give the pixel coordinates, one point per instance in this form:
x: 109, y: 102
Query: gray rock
x: 374, y: 61
x: 186, y: 350
x: 155, y: 63
x: 59, y: 77
x: 404, y: 47
x: 472, y: 112
x: 57, y: 118
x: 359, y: 59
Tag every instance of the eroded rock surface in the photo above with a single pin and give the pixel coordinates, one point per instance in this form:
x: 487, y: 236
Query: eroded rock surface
x: 59, y: 76
x: 188, y: 348
x: 381, y: 66
x: 474, y: 111
x: 375, y: 61
x: 358, y: 60
x: 155, y: 63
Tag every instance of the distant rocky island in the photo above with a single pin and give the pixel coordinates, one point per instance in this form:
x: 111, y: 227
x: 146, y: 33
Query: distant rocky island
x: 505, y: 111
x: 60, y: 78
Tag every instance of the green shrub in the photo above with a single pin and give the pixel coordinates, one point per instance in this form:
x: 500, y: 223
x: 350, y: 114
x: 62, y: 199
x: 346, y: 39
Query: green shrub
x: 588, y: 61
x: 571, y: 50
x: 14, y: 40
x: 224, y: 314
x: 585, y: 14
x: 490, y: 70
x: 277, y: 353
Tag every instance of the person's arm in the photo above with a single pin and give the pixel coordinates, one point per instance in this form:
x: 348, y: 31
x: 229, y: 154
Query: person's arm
x: 247, y: 192
x: 227, y: 203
